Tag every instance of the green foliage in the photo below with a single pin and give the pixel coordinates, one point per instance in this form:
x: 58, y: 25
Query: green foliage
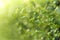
x: 36, y: 20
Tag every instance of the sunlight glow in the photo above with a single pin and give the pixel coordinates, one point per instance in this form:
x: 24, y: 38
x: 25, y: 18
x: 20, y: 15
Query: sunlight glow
x: 2, y: 5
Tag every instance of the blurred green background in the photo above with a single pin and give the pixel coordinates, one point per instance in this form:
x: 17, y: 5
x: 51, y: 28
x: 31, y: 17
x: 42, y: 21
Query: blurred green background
x: 29, y: 19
